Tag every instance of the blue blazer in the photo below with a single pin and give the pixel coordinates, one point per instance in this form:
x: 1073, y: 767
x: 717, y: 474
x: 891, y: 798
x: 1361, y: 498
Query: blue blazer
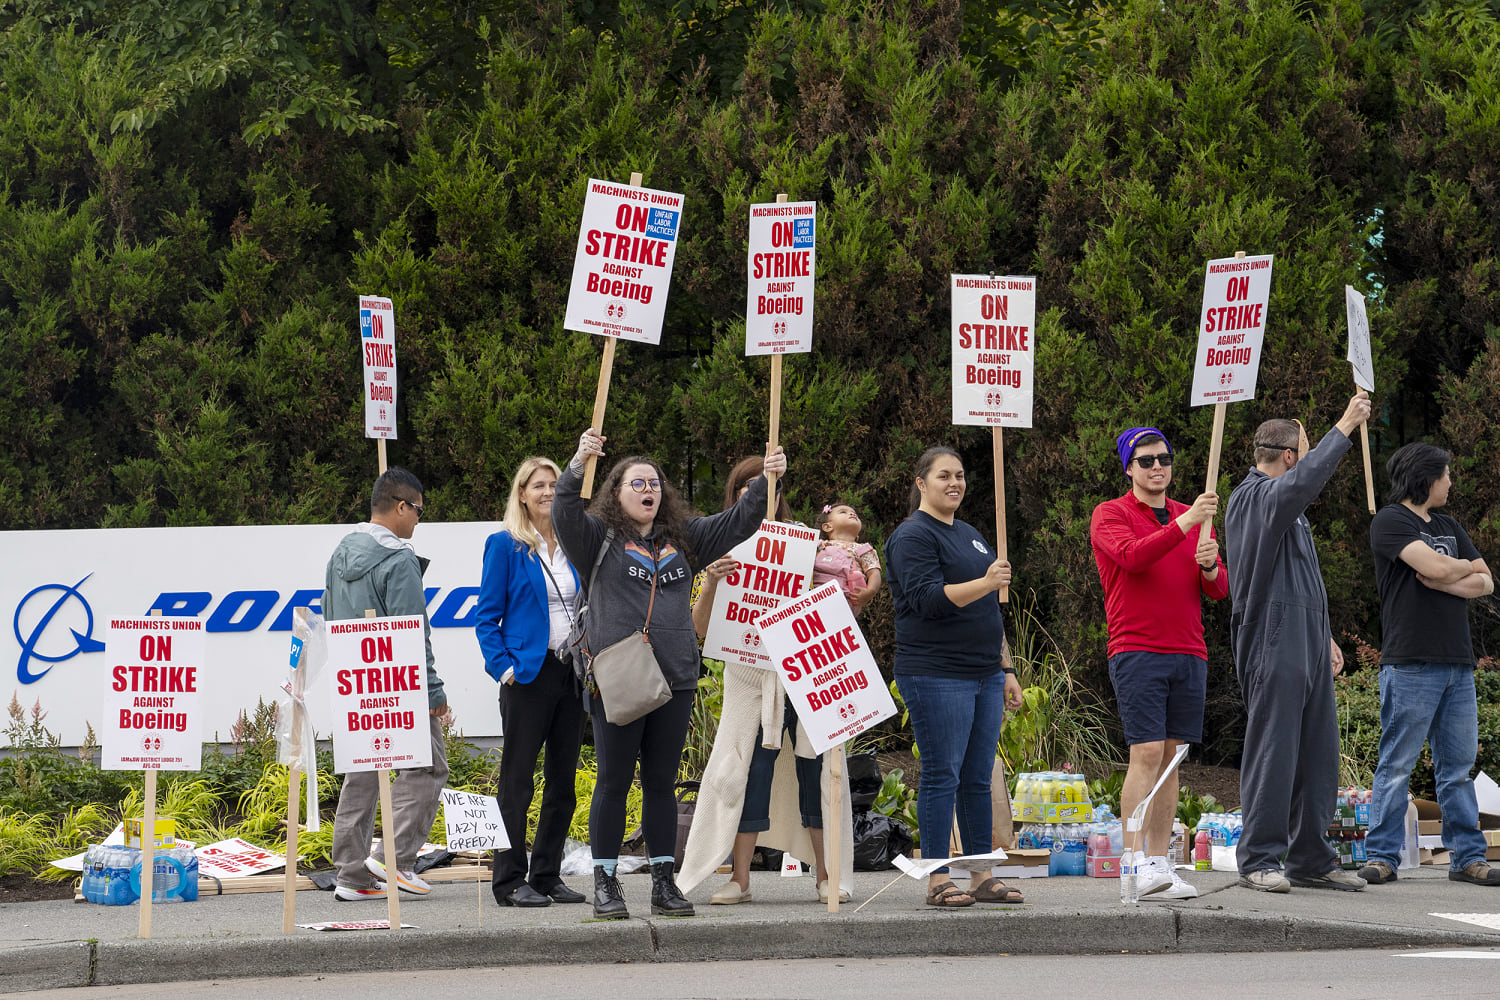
x: 511, y: 619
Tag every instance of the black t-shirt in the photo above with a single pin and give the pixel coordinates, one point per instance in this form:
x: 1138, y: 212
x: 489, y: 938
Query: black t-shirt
x: 1419, y: 624
x: 934, y: 636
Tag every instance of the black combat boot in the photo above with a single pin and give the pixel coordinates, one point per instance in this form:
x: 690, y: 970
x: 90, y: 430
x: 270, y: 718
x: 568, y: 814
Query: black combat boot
x: 609, y: 901
x: 666, y: 899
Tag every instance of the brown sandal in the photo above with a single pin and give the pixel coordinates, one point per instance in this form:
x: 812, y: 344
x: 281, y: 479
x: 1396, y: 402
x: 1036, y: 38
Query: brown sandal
x: 945, y: 894
x: 992, y: 890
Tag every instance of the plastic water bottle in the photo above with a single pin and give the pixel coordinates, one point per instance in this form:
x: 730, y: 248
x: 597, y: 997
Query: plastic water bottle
x: 174, y: 876
x: 1116, y: 837
x: 115, y: 889
x: 1128, y: 891
x: 1203, y: 850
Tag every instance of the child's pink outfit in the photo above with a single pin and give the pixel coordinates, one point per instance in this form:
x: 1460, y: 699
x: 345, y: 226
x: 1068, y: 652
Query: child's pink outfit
x: 845, y: 562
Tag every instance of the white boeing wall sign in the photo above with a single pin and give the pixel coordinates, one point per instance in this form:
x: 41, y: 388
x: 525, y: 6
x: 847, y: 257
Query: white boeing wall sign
x: 60, y: 590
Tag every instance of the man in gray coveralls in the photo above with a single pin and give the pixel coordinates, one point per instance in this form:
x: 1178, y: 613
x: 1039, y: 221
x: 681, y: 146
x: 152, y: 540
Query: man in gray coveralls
x: 1286, y: 659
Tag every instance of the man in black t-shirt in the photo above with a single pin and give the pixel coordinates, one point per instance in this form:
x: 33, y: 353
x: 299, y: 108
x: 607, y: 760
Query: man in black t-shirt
x: 1427, y: 571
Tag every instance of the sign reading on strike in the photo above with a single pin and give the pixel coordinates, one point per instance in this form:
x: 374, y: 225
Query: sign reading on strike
x: 773, y: 564
x: 826, y: 666
x: 378, y: 668
x: 994, y: 327
x: 623, y: 266
x: 1359, y: 340
x: 783, y: 261
x: 236, y: 858
x: 473, y: 822
x: 153, y: 713
x: 377, y: 339
x: 1236, y: 291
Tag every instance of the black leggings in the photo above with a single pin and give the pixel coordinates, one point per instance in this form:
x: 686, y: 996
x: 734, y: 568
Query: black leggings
x: 657, y: 739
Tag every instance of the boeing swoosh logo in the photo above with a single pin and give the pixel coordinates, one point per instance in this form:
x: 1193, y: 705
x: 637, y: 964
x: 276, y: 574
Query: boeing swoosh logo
x: 83, y: 642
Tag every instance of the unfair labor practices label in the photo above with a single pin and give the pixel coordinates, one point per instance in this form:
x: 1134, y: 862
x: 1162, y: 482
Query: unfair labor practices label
x: 152, y: 710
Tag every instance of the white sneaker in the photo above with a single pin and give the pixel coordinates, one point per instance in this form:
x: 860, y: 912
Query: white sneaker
x: 1178, y: 889
x: 405, y: 881
x: 1152, y: 878
x: 345, y: 894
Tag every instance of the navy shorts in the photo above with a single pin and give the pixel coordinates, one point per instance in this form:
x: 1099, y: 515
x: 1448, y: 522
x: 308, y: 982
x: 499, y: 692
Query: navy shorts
x: 1160, y: 695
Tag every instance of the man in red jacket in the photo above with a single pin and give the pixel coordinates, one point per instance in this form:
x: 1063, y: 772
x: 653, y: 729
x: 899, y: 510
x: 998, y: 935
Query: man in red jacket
x: 1156, y: 557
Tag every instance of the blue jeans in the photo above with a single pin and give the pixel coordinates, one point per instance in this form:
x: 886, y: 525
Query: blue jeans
x: 957, y: 725
x: 755, y: 815
x: 1436, y: 703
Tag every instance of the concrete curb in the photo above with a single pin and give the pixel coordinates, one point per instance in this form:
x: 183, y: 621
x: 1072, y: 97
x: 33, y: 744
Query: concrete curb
x: 1054, y: 931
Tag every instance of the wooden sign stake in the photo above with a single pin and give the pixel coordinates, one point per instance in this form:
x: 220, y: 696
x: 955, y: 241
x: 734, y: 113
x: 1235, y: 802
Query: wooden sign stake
x: 1364, y: 444
x: 1002, y: 547
x: 388, y: 839
x: 294, y: 797
x: 380, y: 454
x: 833, y: 827
x: 775, y: 425
x: 148, y: 846
x: 601, y: 394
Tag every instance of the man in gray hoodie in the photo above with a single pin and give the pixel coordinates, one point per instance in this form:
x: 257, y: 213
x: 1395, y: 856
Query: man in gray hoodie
x: 1286, y: 659
x: 374, y: 568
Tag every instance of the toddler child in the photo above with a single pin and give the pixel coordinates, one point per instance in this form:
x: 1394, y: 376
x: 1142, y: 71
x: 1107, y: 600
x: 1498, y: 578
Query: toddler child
x: 842, y: 557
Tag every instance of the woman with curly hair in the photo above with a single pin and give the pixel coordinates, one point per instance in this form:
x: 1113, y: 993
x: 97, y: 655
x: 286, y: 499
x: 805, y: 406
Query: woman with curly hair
x: 648, y: 546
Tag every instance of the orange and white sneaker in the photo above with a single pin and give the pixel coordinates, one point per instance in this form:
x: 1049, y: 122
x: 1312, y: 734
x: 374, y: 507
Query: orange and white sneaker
x: 345, y: 894
x: 405, y: 881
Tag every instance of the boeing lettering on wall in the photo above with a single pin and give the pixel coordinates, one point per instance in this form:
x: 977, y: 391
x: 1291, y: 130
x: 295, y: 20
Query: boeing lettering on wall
x: 61, y: 589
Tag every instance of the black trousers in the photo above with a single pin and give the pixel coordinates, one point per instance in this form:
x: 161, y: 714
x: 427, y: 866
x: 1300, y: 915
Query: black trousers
x: 543, y: 715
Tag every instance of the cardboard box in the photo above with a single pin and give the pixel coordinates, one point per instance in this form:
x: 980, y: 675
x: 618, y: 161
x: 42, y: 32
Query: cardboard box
x: 1429, y: 828
x: 1104, y: 866
x: 166, y: 832
x: 1025, y: 863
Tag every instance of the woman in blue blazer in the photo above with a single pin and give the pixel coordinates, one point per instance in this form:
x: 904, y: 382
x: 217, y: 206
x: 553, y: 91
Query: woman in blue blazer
x: 523, y: 617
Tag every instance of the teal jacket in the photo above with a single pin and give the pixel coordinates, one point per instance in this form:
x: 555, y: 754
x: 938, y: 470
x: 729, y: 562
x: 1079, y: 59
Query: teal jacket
x: 364, y: 574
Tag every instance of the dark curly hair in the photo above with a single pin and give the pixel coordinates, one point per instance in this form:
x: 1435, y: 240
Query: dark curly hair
x: 672, y: 516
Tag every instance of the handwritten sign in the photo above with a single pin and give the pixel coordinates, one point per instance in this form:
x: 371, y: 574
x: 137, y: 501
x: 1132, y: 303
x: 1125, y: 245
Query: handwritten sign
x: 773, y: 564
x: 994, y: 347
x: 377, y: 341
x: 781, y: 268
x: 826, y: 666
x: 153, y: 714
x: 1359, y: 340
x: 473, y: 822
x: 623, y: 265
x: 379, y: 694
x: 1231, y: 329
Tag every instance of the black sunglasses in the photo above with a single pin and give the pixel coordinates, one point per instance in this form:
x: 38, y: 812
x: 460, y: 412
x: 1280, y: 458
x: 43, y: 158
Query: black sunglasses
x: 1147, y: 461
x: 414, y: 506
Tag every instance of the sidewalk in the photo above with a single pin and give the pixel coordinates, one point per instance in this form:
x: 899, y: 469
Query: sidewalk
x: 59, y: 944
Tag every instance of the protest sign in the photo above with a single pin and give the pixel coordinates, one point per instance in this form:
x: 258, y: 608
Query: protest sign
x: 781, y: 268
x: 771, y: 566
x: 152, y: 709
x: 826, y: 666
x: 994, y: 326
x: 623, y: 265
x: 377, y: 339
x: 379, y: 694
x: 473, y: 822
x: 236, y: 858
x: 1361, y: 357
x: 994, y: 319
x: 1231, y: 330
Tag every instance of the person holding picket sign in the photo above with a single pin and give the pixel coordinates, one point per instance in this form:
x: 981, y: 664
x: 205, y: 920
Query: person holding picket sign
x: 735, y: 809
x: 523, y: 617
x: 953, y: 669
x: 637, y: 548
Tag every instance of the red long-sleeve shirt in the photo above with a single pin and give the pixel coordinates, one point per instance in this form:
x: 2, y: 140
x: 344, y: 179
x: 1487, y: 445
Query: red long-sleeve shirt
x: 1153, y: 585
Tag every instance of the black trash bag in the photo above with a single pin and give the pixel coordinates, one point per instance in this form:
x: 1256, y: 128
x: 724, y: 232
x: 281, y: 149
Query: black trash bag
x: 878, y: 838
x: 864, y: 780
x: 766, y: 859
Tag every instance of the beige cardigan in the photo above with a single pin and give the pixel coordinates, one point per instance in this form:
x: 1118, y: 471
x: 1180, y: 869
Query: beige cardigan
x: 753, y: 699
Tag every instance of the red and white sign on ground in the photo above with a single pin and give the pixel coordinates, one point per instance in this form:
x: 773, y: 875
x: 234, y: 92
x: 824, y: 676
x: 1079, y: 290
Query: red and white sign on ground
x: 236, y: 858
x: 153, y: 715
x: 623, y: 266
x: 377, y: 340
x: 1236, y: 292
x: 774, y: 564
x: 826, y: 666
x: 378, y: 668
x: 994, y: 349
x: 782, y: 265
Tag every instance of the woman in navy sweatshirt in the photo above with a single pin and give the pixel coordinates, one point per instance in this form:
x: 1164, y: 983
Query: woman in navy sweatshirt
x: 952, y: 668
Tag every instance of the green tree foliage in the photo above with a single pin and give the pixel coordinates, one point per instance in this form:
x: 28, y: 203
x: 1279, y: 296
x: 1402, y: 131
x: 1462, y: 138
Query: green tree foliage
x: 193, y: 193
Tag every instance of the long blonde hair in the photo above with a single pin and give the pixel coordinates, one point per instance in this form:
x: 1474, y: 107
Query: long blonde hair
x: 517, y: 520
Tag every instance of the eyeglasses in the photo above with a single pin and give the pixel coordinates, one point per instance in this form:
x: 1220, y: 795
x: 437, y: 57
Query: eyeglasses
x: 642, y: 485
x: 414, y: 506
x: 1278, y: 447
x: 1147, y: 461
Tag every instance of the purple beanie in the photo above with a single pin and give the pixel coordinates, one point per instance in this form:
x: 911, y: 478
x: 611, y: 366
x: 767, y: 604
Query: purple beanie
x: 1125, y: 443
